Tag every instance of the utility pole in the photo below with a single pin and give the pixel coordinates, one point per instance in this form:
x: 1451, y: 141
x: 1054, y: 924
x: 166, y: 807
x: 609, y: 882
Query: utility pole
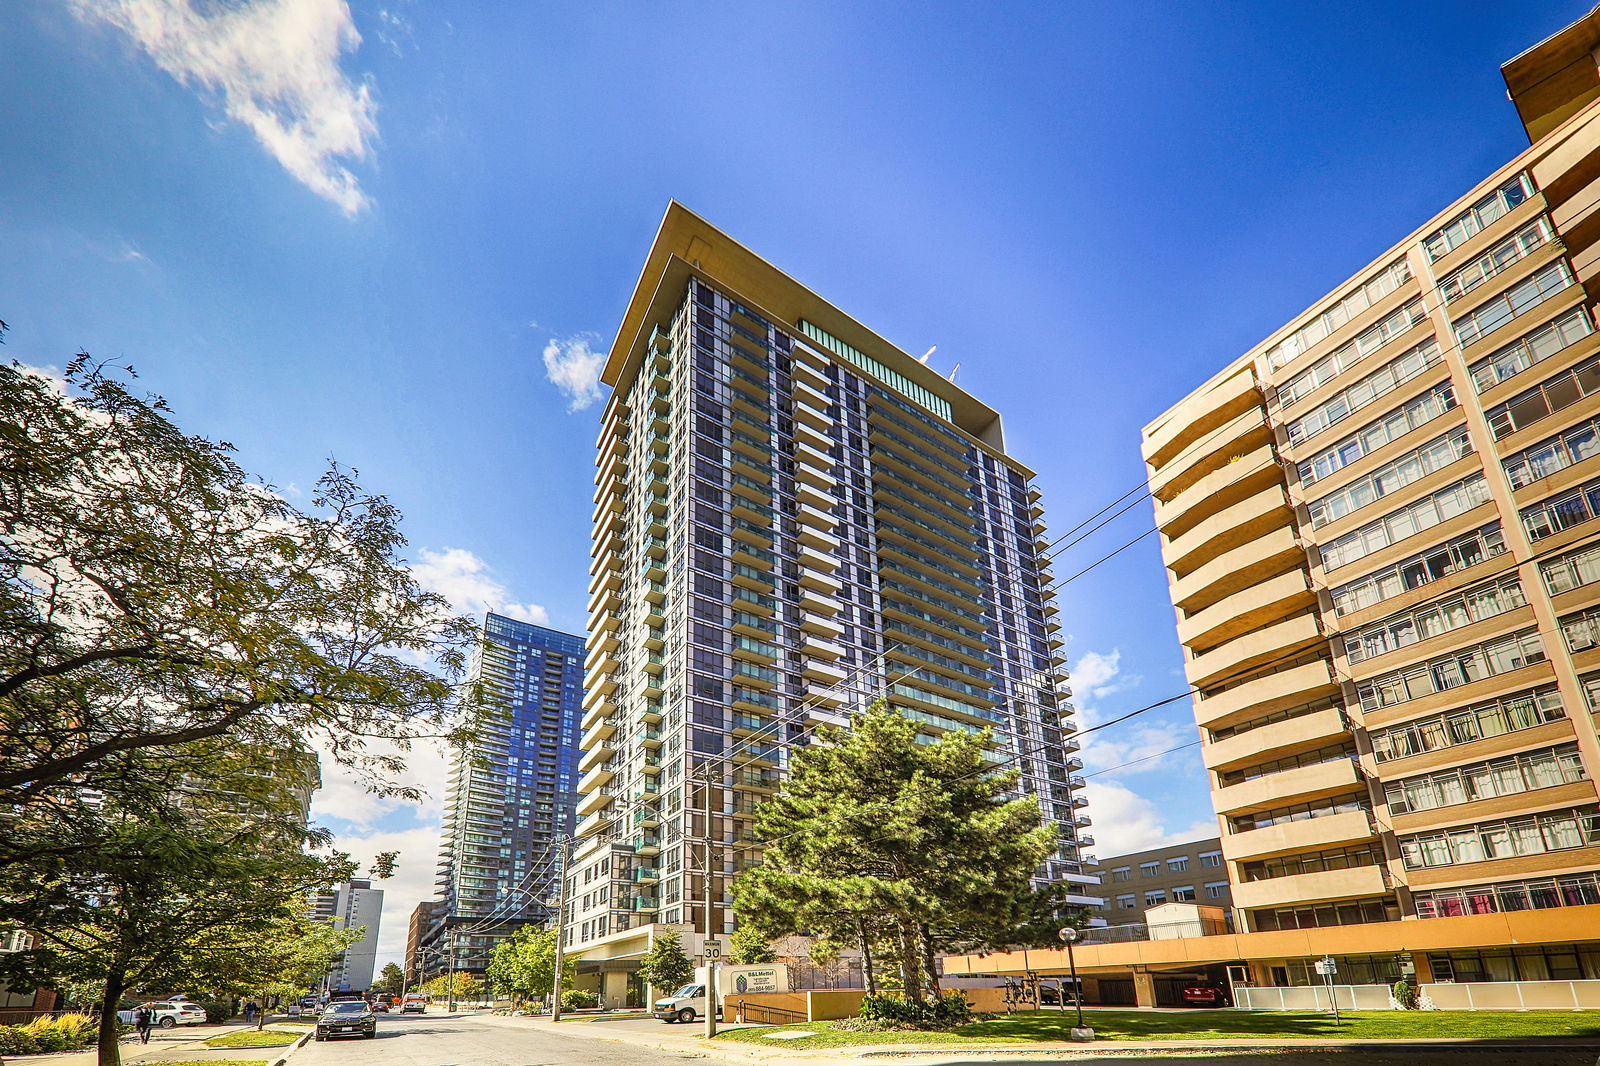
x: 561, y: 929
x: 450, y: 972
x: 713, y: 947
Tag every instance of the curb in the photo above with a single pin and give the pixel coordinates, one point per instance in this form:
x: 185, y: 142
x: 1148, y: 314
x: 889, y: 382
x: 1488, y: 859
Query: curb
x: 296, y: 1046
x: 1121, y: 1050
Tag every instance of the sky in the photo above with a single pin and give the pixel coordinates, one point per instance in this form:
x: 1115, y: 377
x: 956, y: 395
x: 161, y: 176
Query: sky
x: 401, y: 234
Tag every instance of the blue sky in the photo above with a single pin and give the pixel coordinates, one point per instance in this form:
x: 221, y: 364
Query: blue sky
x: 401, y: 234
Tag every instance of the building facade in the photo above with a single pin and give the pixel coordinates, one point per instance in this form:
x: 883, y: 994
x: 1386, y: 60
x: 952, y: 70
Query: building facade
x: 352, y: 905
x: 1178, y: 873
x: 1379, y: 527
x: 792, y: 518
x: 510, y: 795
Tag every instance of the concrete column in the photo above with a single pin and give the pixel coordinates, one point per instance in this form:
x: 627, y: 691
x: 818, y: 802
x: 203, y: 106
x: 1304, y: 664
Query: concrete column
x: 614, y: 987
x: 1144, y: 989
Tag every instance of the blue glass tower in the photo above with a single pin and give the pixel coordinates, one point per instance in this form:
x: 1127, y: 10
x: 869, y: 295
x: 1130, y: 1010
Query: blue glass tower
x: 511, y: 794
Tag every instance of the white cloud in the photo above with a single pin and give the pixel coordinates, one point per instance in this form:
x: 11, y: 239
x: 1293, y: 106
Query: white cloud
x: 1136, y: 746
x: 273, y: 65
x: 1125, y: 821
x: 574, y: 368
x: 465, y: 580
x: 345, y: 801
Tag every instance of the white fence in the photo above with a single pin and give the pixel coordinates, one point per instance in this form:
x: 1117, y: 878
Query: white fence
x: 1484, y: 995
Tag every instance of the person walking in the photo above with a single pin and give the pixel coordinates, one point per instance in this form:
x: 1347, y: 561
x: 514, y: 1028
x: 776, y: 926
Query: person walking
x: 143, y: 1017
x: 250, y: 1012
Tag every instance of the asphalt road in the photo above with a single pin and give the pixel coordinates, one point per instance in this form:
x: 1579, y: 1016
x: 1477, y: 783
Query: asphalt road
x: 457, y: 1040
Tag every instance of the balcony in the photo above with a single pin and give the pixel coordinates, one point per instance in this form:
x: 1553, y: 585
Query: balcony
x: 1361, y: 881
x: 1288, y: 786
x: 817, y: 648
x: 1249, y: 609
x: 1199, y: 415
x: 1275, y: 692
x: 820, y: 582
x: 599, y: 752
x: 813, y: 559
x: 1235, y: 525
x: 1269, y: 644
x: 822, y: 626
x: 595, y: 823
x: 1238, y: 569
x: 817, y: 670
x: 1308, y: 834
x: 591, y: 781
x: 593, y: 801
x: 812, y: 496
x: 1303, y: 733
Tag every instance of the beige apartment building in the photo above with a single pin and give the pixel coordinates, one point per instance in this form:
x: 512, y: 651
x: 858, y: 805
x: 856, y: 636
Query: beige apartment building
x: 1381, y: 527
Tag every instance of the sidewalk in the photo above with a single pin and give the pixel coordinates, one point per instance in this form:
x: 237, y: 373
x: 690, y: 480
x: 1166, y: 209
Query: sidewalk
x: 182, y: 1043
x: 687, y: 1040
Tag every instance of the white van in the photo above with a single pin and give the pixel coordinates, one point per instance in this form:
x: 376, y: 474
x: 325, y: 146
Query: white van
x: 686, y: 1004
x: 689, y: 1002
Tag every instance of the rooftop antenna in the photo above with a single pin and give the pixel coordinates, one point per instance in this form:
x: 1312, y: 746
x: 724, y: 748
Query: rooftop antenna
x: 930, y: 351
x: 953, y: 371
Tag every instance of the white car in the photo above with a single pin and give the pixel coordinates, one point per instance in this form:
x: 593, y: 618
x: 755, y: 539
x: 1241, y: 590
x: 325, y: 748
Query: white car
x: 168, y: 1015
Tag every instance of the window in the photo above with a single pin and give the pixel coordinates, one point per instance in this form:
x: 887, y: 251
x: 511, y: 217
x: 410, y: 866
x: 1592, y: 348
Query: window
x: 1126, y: 903
x: 1364, y: 392
x: 1552, y: 831
x: 1212, y: 859
x: 1183, y: 894
x: 1434, y: 619
x: 1518, y: 300
x: 1216, y: 889
x: 1413, y: 466
x: 1545, y: 399
x: 1149, y: 869
x: 1474, y: 219
x: 1408, y: 521
x: 1508, y: 714
x: 1547, y: 457
x: 1155, y: 898
x: 1536, y: 347
x: 1450, y: 671
x: 1574, y: 891
x: 1511, y: 250
x: 1574, y: 570
x: 1499, y: 777
x: 1340, y: 312
x: 1122, y: 873
x: 1571, y: 508
x: 1369, y: 438
x: 1178, y: 865
x: 1465, y: 551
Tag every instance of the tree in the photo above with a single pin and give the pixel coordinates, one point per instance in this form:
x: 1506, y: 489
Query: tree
x: 524, y: 967
x: 665, y: 966
x: 750, y: 947
x: 392, y: 978
x: 287, y: 958
x: 207, y: 900
x: 879, y: 841
x: 155, y: 598
x: 466, y: 986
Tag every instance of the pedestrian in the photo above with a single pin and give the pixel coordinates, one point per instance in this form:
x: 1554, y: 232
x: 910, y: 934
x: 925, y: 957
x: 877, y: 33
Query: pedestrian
x: 142, y: 1019
x: 249, y: 1012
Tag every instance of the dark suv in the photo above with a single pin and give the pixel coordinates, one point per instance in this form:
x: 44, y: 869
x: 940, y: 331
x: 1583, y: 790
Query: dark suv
x: 349, y: 1018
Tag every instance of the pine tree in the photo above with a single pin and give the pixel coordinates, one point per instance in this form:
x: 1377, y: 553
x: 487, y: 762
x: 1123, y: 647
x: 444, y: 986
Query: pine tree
x: 879, y: 841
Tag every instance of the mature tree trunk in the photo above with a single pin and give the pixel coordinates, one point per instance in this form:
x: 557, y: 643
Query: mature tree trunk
x: 910, y: 967
x: 109, y: 1054
x: 866, y: 958
x: 929, y: 961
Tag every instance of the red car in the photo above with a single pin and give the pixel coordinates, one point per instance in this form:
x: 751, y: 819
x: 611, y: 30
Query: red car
x: 1206, y: 996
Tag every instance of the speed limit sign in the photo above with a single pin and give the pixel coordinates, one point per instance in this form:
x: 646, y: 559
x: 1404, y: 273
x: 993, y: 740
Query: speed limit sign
x: 713, y: 949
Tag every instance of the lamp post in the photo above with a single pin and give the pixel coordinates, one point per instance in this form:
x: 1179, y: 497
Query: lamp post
x: 1081, y: 1032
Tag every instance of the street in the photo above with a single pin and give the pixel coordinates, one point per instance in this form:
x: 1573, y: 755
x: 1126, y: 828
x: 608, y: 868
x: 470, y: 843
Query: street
x: 474, y: 1040
x: 481, y: 1040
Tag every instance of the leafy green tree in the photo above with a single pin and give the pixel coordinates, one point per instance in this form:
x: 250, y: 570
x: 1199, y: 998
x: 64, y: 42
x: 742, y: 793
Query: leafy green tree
x: 665, y: 967
x: 877, y: 839
x: 466, y: 986
x: 207, y: 901
x: 750, y: 947
x: 524, y: 967
x: 156, y: 599
x: 392, y: 978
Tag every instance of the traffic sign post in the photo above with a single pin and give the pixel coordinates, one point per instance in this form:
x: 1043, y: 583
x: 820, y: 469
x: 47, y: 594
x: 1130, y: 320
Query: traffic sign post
x: 1327, y: 967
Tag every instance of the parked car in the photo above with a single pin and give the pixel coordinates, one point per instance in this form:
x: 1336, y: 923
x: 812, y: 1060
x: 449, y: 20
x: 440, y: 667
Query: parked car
x: 347, y: 1018
x: 379, y: 1004
x: 168, y: 1015
x: 414, y: 1003
x: 1207, y: 995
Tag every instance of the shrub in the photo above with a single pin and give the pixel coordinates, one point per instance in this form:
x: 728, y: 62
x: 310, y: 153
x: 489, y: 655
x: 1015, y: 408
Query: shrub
x: 1405, y: 994
x: 578, y: 999
x: 217, y: 1011
x: 948, y: 1010
x: 69, y: 1032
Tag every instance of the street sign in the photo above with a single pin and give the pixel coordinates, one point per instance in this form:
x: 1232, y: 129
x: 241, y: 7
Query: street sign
x: 1326, y: 966
x: 713, y: 950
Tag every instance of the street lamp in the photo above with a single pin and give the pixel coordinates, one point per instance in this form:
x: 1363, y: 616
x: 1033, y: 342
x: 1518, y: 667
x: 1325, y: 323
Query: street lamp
x: 1081, y: 1033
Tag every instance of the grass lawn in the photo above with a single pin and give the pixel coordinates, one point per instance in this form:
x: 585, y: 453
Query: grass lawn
x: 1210, y: 1025
x: 264, y: 1038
